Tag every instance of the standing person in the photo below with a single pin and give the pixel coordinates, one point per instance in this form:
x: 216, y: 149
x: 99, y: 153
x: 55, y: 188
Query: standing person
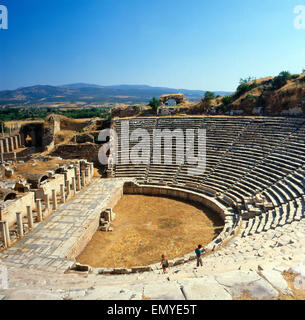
x: 199, y: 252
x: 164, y: 263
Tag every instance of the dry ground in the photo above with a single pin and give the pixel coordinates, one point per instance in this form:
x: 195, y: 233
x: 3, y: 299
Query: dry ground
x: 146, y: 227
x: 298, y: 294
x: 34, y: 166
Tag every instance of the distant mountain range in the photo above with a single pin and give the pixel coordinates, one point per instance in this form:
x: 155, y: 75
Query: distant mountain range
x: 90, y: 94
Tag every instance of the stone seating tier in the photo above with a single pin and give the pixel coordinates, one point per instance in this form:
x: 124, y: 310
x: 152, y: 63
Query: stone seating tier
x: 245, y: 156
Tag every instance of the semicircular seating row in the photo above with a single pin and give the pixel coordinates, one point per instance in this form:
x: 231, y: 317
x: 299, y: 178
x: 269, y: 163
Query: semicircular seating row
x: 246, y: 159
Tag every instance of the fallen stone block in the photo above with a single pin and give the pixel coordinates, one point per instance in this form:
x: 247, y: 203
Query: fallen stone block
x: 160, y: 290
x: 121, y: 271
x: 105, y: 271
x: 81, y: 267
x: 277, y: 281
x: 178, y: 261
x: 239, y: 282
x: 141, y: 269
x: 205, y: 288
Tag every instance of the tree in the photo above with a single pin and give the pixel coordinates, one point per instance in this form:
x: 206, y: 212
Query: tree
x: 245, y: 85
x: 226, y: 100
x: 208, y: 96
x: 281, y: 79
x: 154, y: 104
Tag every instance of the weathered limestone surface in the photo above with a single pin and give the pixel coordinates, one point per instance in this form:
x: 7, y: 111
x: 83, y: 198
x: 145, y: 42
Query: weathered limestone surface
x: 276, y: 280
x: 238, y: 282
x: 160, y: 290
x: 63, y: 235
x: 252, y: 264
x: 112, y: 293
x: 205, y: 288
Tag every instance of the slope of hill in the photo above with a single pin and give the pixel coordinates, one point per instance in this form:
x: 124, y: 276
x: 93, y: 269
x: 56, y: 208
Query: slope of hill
x: 281, y: 95
x: 81, y: 93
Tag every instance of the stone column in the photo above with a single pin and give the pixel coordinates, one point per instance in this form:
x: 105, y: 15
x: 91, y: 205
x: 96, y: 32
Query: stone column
x: 68, y: 187
x: 20, y: 225
x: 87, y: 174
x: 22, y: 139
x: 6, y: 145
x: 78, y: 185
x: 5, y: 233
x: 73, y: 186
x: 47, y: 203
x: 11, y: 143
x: 83, y: 179
x: 92, y: 170
x: 54, y: 200
x: 16, y: 142
x: 62, y: 193
x: 30, y: 217
x: 1, y: 146
x: 2, y: 231
x: 39, y: 210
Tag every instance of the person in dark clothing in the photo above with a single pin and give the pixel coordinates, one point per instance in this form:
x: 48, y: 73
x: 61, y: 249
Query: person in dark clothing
x: 199, y: 251
x: 164, y: 263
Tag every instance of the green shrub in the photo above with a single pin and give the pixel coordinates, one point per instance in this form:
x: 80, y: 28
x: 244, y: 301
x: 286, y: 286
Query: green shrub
x: 281, y: 79
x: 154, y: 104
x: 10, y: 114
x: 227, y: 100
x: 245, y: 86
x: 208, y: 96
x: 251, y: 98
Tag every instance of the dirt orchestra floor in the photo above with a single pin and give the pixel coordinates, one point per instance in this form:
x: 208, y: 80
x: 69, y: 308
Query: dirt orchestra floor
x: 147, y: 227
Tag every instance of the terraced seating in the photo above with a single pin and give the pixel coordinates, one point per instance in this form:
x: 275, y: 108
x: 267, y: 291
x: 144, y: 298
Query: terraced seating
x: 244, y: 157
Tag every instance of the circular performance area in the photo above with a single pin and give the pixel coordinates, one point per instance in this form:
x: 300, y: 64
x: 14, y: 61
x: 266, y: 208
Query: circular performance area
x: 146, y: 227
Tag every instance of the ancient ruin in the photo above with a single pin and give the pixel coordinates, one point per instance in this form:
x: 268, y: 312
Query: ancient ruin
x: 178, y: 97
x: 53, y: 202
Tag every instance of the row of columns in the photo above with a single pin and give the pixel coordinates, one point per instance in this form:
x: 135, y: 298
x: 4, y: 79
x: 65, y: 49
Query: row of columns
x: 78, y: 182
x: 13, y: 127
x: 9, y: 144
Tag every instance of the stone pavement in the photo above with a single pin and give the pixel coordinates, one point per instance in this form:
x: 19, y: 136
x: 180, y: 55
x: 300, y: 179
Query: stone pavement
x: 47, y: 246
x: 43, y: 285
x: 255, y: 263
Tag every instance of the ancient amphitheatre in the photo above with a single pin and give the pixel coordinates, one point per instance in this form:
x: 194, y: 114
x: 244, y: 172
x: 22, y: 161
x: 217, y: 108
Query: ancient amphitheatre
x: 59, y: 207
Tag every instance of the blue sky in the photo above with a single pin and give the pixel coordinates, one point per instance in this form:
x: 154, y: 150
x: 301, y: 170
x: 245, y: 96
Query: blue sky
x: 192, y: 44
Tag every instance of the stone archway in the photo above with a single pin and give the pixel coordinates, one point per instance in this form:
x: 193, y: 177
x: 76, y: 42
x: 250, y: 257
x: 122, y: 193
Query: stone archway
x: 31, y: 134
x: 179, y: 98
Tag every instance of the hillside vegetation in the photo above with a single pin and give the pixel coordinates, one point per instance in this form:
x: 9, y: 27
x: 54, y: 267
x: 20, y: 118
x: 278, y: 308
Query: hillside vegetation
x: 280, y: 95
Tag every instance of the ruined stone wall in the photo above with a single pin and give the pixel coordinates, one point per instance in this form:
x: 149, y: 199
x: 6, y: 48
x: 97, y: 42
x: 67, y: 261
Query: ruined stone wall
x: 92, y: 224
x: 51, y: 128
x: 49, y: 185
x: 125, y: 111
x: 87, y: 151
x: 18, y: 205
x: 179, y: 98
x: 206, y: 201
